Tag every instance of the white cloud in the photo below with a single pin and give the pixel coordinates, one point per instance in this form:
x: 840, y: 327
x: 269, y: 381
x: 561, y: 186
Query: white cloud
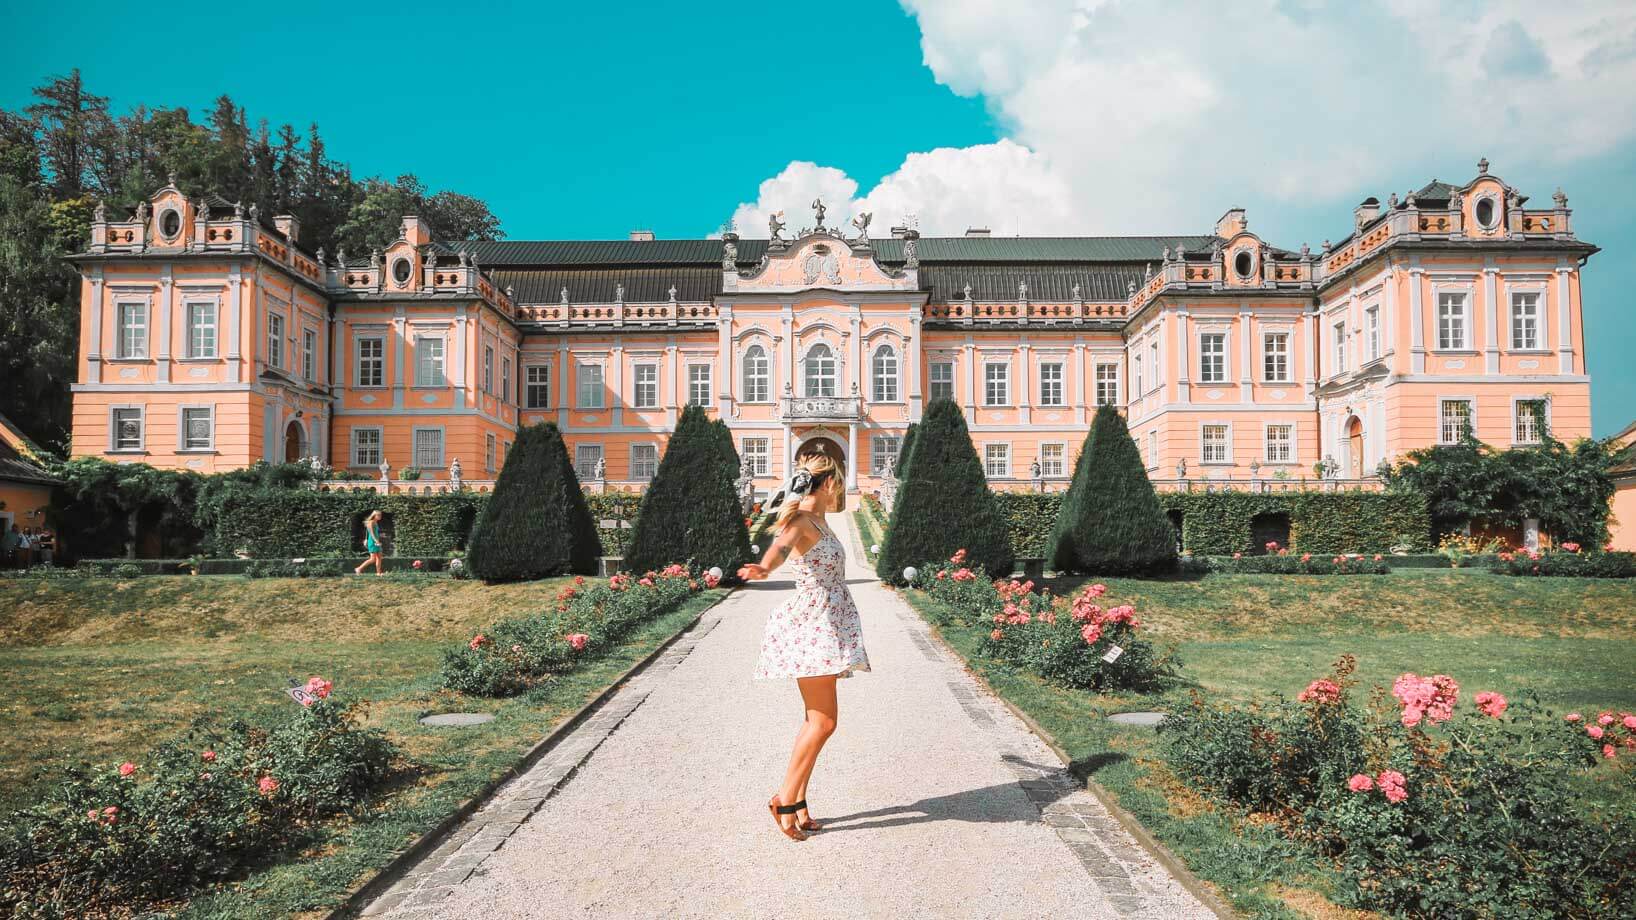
x: 1139, y: 117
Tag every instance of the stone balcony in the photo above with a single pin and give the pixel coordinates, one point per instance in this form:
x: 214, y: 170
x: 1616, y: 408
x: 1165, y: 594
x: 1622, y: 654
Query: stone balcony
x: 821, y: 408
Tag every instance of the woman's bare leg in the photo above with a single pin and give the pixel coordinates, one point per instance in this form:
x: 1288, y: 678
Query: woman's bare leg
x: 818, y: 698
x: 380, y: 568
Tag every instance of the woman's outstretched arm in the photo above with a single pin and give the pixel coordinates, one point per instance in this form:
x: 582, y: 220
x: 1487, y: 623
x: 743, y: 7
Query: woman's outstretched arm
x: 798, y: 537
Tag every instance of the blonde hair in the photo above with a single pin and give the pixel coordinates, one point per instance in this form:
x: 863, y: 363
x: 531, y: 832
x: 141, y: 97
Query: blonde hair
x: 822, y: 467
x: 375, y: 515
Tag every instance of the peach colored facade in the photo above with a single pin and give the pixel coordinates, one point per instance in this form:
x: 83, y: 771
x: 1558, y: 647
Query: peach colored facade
x: 211, y: 340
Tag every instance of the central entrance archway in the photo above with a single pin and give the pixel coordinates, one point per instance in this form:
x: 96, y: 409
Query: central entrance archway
x: 822, y: 444
x: 294, y: 445
x: 1354, y: 448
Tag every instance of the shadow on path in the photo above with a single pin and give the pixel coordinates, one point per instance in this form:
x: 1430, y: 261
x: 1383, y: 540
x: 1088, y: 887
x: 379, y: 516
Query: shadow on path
x: 984, y: 805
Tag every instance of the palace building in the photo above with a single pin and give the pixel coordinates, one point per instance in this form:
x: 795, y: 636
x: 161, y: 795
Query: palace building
x: 210, y: 338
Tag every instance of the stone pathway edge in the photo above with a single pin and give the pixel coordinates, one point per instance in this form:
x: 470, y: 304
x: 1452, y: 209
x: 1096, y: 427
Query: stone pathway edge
x: 359, y: 897
x: 1194, y: 885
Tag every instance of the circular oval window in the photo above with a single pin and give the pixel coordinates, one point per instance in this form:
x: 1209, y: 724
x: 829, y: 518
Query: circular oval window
x: 1244, y: 263
x: 170, y: 224
x: 400, y: 271
x: 1485, y: 213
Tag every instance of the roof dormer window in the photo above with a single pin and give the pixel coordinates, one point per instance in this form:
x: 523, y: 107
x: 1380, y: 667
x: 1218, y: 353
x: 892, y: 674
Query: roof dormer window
x: 170, y: 223
x: 1244, y: 264
x: 1487, y: 213
x: 401, y: 270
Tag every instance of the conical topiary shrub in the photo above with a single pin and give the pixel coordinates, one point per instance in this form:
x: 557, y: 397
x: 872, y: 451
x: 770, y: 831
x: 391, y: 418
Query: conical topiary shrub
x: 1111, y: 522
x: 904, y: 448
x: 944, y: 503
x: 691, y: 510
x: 536, y: 524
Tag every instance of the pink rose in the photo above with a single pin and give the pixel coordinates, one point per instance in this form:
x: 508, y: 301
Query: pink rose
x: 1272, y: 546
x: 1630, y: 722
x: 127, y: 768
x: 1572, y: 717
x: 578, y: 640
x: 1608, y: 751
x: 710, y: 581
x: 92, y: 814
x: 646, y: 582
x: 1238, y: 555
x: 1595, y: 731
x: 1571, y: 547
x: 267, y: 785
x: 579, y: 579
x: 418, y: 564
x: 1605, y: 718
x: 1322, y: 690
x: 1377, y: 557
x: 942, y: 574
x: 1091, y: 633
x: 477, y: 641
x: 996, y: 635
x: 319, y: 687
x: 1491, y: 704
x: 110, y: 814
x: 1360, y: 782
x: 958, y: 557
x: 208, y: 757
x: 1306, y: 557
x: 1391, y: 784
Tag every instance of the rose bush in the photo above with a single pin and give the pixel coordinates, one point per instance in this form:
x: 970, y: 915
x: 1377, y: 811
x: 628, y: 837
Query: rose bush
x: 1564, y: 562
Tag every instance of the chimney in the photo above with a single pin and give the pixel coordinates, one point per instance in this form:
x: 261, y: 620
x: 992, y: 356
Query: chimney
x: 1366, y: 212
x: 642, y: 236
x: 900, y: 231
x: 1232, y: 223
x: 288, y: 225
x: 977, y: 231
x: 416, y: 231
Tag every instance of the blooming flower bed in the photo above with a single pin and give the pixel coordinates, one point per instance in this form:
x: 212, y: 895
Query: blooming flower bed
x: 1075, y: 642
x: 109, y: 840
x: 1425, y: 807
x: 1283, y: 561
x: 587, y: 617
x: 1568, y: 560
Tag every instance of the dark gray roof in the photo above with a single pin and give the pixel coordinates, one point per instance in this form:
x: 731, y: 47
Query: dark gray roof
x: 1053, y: 283
x: 13, y: 469
x: 643, y: 284
x: 1435, y: 191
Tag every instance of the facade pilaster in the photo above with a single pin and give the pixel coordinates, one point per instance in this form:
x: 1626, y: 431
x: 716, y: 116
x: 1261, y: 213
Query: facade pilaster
x: 1491, y: 336
x: 235, y: 295
x: 93, y: 355
x: 1417, y: 320
x: 1564, y: 335
x: 161, y: 332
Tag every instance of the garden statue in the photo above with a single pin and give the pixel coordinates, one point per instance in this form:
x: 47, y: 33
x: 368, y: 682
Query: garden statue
x: 600, y: 471
x: 454, y: 472
x: 1035, y: 471
x: 386, y: 469
x: 745, y: 484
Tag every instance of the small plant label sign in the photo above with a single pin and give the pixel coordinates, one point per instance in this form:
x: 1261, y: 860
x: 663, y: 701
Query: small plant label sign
x: 1112, y: 654
x: 300, y: 693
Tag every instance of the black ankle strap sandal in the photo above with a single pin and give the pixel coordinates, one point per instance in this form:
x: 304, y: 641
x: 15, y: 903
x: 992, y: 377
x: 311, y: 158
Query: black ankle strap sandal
x: 792, y: 809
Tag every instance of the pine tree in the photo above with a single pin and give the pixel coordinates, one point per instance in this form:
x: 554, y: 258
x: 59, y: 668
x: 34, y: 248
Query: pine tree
x: 691, y: 513
x: 944, y: 503
x: 1111, y: 522
x: 536, y: 524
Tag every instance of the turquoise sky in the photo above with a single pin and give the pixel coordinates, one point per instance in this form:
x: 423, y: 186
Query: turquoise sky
x: 589, y: 120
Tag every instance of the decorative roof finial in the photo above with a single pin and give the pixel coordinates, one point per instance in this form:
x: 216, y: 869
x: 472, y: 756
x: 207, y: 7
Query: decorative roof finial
x: 619, y: 292
x: 1167, y: 254
x: 967, y: 292
x: 100, y: 215
x: 1391, y: 200
x: 1560, y: 199
x: 170, y: 178
x: 1075, y: 293
x: 774, y: 228
x: 320, y: 255
x: 1022, y: 290
x: 862, y: 223
x: 238, y: 210
x: 565, y: 295
x: 1482, y: 166
x: 818, y: 212
x: 673, y: 293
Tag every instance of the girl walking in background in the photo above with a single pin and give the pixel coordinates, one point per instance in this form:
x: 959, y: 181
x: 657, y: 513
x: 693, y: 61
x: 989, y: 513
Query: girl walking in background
x: 372, y: 544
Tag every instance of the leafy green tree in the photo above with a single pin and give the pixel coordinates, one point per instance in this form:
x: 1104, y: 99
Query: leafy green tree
x: 376, y: 217
x: 691, y: 513
x: 944, y: 503
x: 1111, y: 522
x: 136, y: 491
x: 537, y: 523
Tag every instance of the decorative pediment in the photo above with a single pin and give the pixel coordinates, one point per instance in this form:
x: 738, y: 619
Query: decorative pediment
x: 822, y: 259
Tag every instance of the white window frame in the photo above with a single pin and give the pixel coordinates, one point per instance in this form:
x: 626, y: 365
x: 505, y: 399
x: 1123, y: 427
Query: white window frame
x: 1462, y: 316
x: 1107, y: 388
x: 756, y: 378
x: 821, y: 385
x: 1158, y: 368
x: 442, y: 447
x: 996, y: 389
x: 638, y: 474
x: 543, y: 385
x: 491, y: 449
x: 505, y: 380
x: 1223, y: 372
x: 933, y: 384
x: 425, y: 368
x: 882, y: 446
x: 759, y: 453
x: 1058, y: 370
x: 131, y: 338
x: 1267, y: 443
x: 645, y: 393
x: 1136, y: 377
x: 1226, y: 445
x: 1371, y: 331
x: 141, y: 446
x: 203, y: 338
x: 589, y: 469
x: 1061, y: 460
x: 589, y: 394
x: 1442, y: 422
x: 379, y: 447
x: 1537, y: 300
x: 275, y: 339
x: 1275, y: 358
x: 182, y: 440
x: 1517, y: 417
x: 378, y: 361
x: 309, y: 354
x: 883, y: 374
x: 488, y: 369
x: 1153, y: 449
x: 1338, y: 339
x: 990, y: 451
x: 699, y: 375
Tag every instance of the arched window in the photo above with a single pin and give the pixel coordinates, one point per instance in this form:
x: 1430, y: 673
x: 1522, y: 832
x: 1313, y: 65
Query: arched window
x: 756, y: 375
x: 820, y: 371
x: 884, y: 372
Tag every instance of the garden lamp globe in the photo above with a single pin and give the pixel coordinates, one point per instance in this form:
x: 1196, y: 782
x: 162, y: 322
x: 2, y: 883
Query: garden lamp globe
x: 910, y: 573
x: 755, y: 549
x: 874, y: 549
x: 715, y: 572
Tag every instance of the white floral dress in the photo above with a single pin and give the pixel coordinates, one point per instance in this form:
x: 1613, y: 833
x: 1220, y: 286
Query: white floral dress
x: 818, y: 631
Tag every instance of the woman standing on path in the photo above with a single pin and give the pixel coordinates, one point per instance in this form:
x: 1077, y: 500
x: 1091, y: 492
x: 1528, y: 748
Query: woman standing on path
x: 815, y: 636
x: 372, y: 543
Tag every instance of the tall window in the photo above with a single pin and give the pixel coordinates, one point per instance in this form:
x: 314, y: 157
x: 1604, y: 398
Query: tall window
x: 1214, y: 442
x: 819, y: 372
x: 997, y: 460
x: 1454, y: 416
x: 882, y: 447
x: 883, y: 371
x: 429, y: 448
x: 1275, y: 357
x: 1525, y: 320
x: 698, y: 384
x: 1530, y: 421
x: 366, y: 447
x: 309, y: 355
x: 1340, y: 348
x: 1153, y: 361
x: 133, y: 330
x: 942, y: 380
x: 201, y: 330
x: 1053, y: 464
x: 647, y: 386
x: 505, y: 379
x: 372, y: 362
x: 1213, y: 357
x: 429, y: 362
x: 1136, y: 377
x: 1153, y: 448
x: 644, y: 461
x: 1052, y: 391
x: 1371, y: 328
x: 590, y: 386
x: 127, y: 428
x: 537, y: 386
x: 586, y: 457
x: 996, y: 384
x: 1451, y: 321
x: 198, y: 428
x: 275, y: 340
x: 1280, y: 443
x: 757, y: 375
x: 490, y: 448
x: 1107, y: 384
x: 758, y: 452
x: 488, y: 369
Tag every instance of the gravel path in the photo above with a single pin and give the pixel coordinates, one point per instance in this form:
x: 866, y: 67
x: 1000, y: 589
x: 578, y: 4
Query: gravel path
x: 937, y: 801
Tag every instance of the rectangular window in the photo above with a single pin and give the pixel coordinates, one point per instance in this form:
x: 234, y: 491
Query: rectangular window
x: 1280, y: 443
x: 201, y: 330
x: 590, y: 387
x: 883, y: 374
x: 758, y: 453
x: 1530, y: 424
x: 372, y: 362
x: 1153, y: 449
x: 275, y: 340
x: 1136, y: 377
x: 942, y: 380
x: 644, y: 461
x: 1107, y: 384
x: 1213, y: 357
x: 1451, y: 321
x: 1340, y: 348
x: 1275, y: 357
x: 488, y: 369
x: 309, y: 355
x: 882, y: 447
x: 133, y: 330
x: 1525, y: 321
x: 1052, y: 460
x: 505, y: 379
x: 490, y: 448
x: 996, y: 384
x: 366, y: 447
x: 997, y: 460
x: 1153, y: 361
x: 647, y: 386
x: 429, y: 448
x: 127, y: 433
x: 1052, y: 392
x: 537, y: 386
x: 1213, y: 439
x: 198, y: 428
x: 587, y: 457
x: 429, y: 362
x: 1371, y: 325
x: 1454, y: 416
x: 698, y: 384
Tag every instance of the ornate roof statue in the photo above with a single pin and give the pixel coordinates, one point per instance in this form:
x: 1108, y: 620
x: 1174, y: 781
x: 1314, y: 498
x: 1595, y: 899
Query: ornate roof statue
x: 203, y: 209
x: 968, y: 292
x: 320, y: 255
x: 465, y: 258
x: 255, y: 212
x: 1075, y: 293
x: 1391, y: 200
x: 1022, y: 290
x: 673, y: 293
x: 341, y: 256
x: 862, y: 223
x: 818, y: 211
x: 238, y: 210
x: 619, y: 292
x: 729, y: 251
x: 774, y: 228
x: 565, y: 295
x: 100, y: 215
x: 911, y: 249
x: 1482, y: 166
x: 1560, y: 198
x: 141, y: 212
x: 374, y: 258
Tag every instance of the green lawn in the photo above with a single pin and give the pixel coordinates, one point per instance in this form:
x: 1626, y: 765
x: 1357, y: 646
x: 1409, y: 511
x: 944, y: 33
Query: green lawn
x: 1571, y: 641
x: 100, y: 670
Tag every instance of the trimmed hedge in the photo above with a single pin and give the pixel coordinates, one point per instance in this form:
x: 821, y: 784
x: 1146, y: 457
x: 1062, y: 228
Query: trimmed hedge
x: 537, y: 524
x: 1030, y: 516
x: 1293, y: 564
x: 289, y: 523
x: 691, y: 510
x: 1111, y: 521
